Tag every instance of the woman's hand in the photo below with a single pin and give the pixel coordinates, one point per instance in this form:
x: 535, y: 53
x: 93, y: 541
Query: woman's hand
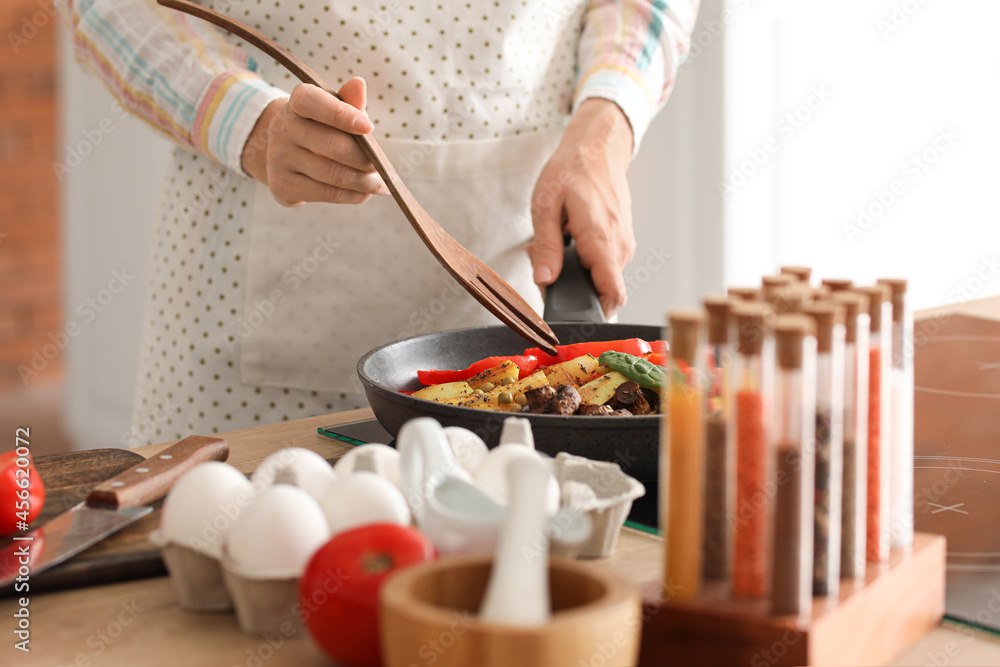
x: 303, y: 150
x: 583, y: 191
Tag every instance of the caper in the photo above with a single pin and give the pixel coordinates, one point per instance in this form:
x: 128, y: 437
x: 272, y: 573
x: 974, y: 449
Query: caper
x: 506, y: 381
x: 487, y: 386
x: 505, y: 397
x: 521, y: 400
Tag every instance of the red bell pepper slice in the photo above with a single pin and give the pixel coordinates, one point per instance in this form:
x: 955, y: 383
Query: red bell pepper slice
x: 659, y: 346
x: 633, y: 346
x: 526, y: 362
x: 658, y: 358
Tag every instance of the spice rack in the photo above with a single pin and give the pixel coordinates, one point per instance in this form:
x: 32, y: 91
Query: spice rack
x: 869, y: 623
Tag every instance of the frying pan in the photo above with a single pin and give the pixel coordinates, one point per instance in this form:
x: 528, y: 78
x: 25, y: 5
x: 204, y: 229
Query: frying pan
x: 631, y: 442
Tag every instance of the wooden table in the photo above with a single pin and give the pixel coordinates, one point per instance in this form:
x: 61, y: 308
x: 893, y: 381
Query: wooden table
x: 140, y: 623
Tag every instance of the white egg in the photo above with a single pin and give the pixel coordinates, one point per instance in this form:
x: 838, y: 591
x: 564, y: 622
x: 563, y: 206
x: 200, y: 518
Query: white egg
x: 202, y: 506
x: 278, y: 532
x: 297, y: 466
x: 491, y: 475
x: 469, y: 448
x: 371, y: 457
x: 364, y: 498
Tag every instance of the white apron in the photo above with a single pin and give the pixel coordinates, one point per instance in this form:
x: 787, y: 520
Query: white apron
x: 326, y: 283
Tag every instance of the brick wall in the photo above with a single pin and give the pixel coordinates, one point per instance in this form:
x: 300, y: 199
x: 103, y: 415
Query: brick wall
x: 30, y: 245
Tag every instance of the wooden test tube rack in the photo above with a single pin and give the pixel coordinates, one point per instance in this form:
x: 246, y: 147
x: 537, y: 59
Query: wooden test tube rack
x: 870, y: 623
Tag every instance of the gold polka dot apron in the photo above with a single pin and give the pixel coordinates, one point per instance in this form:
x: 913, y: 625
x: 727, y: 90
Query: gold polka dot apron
x: 273, y: 306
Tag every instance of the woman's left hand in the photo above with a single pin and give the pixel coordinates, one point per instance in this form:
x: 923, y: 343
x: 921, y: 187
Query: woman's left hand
x: 583, y: 191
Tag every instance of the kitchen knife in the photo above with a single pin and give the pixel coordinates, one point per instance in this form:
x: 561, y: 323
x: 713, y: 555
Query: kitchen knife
x: 109, y: 507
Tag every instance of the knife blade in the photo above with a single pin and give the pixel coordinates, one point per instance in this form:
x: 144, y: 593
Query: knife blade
x: 109, y: 507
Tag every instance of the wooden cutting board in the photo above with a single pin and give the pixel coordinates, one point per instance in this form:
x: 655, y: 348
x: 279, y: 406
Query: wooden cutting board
x: 127, y: 554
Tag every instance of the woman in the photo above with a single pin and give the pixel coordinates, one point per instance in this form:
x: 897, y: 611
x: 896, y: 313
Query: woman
x: 278, y: 260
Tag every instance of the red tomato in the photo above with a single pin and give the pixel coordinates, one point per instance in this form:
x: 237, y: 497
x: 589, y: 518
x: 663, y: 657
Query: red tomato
x: 526, y: 362
x: 22, y: 493
x: 339, y: 589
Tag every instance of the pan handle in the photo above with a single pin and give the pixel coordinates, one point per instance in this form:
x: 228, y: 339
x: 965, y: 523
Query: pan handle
x: 572, y: 297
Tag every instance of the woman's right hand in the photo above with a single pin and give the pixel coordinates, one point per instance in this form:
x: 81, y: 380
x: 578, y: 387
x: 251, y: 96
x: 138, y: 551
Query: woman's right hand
x: 302, y: 148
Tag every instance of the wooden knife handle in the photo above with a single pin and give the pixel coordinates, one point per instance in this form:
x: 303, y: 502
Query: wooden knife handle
x: 150, y: 480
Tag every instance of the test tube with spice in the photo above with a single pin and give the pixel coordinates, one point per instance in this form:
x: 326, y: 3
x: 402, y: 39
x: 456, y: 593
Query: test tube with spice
x: 787, y: 298
x: 853, y: 519
x: 879, y: 420
x: 750, y: 422
x: 901, y: 458
x: 719, y: 464
x: 837, y: 284
x: 682, y: 456
x: 794, y: 430
x: 828, y: 319
x: 745, y: 293
x: 801, y: 273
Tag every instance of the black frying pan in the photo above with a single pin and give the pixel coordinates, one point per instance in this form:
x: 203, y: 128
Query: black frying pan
x: 632, y: 442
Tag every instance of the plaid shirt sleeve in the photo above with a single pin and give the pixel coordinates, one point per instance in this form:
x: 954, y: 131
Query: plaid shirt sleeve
x: 629, y: 52
x: 176, y: 72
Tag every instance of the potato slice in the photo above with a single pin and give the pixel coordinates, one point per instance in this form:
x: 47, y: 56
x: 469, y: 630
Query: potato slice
x: 491, y: 398
x: 444, y: 392
x: 601, y: 390
x: 579, y: 369
x: 505, y: 369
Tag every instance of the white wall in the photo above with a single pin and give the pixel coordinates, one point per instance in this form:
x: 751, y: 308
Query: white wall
x: 109, y: 198
x: 897, y: 76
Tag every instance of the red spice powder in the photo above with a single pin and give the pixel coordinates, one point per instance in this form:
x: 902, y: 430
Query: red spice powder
x: 750, y: 540
x: 874, y: 523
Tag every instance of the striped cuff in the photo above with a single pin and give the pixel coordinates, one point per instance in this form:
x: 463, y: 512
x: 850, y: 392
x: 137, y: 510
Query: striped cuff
x: 227, y: 113
x: 622, y: 87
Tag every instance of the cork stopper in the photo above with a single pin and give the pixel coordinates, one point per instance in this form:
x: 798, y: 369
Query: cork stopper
x: 877, y: 295
x: 898, y: 287
x: 777, y: 279
x: 837, y: 284
x: 789, y: 332
x: 685, y: 326
x: 801, y: 273
x: 854, y: 304
x: 718, y: 308
x: 788, y: 298
x: 821, y: 292
x: 826, y: 315
x: 753, y: 324
x: 745, y: 293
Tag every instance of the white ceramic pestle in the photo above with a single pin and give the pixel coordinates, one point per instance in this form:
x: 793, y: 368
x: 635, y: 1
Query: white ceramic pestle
x: 517, y: 592
x: 516, y: 441
x: 425, y: 460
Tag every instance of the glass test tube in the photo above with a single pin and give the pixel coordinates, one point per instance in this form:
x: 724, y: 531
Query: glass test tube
x: 901, y: 458
x: 828, y: 319
x: 719, y: 463
x: 682, y: 457
x: 794, y: 429
x: 853, y: 534
x: 879, y: 420
x: 750, y: 422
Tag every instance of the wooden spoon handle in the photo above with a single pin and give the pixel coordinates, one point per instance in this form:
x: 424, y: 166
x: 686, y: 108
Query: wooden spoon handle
x: 265, y: 44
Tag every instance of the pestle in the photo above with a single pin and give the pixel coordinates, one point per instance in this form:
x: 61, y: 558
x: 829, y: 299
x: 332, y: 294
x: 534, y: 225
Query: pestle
x: 518, y: 589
